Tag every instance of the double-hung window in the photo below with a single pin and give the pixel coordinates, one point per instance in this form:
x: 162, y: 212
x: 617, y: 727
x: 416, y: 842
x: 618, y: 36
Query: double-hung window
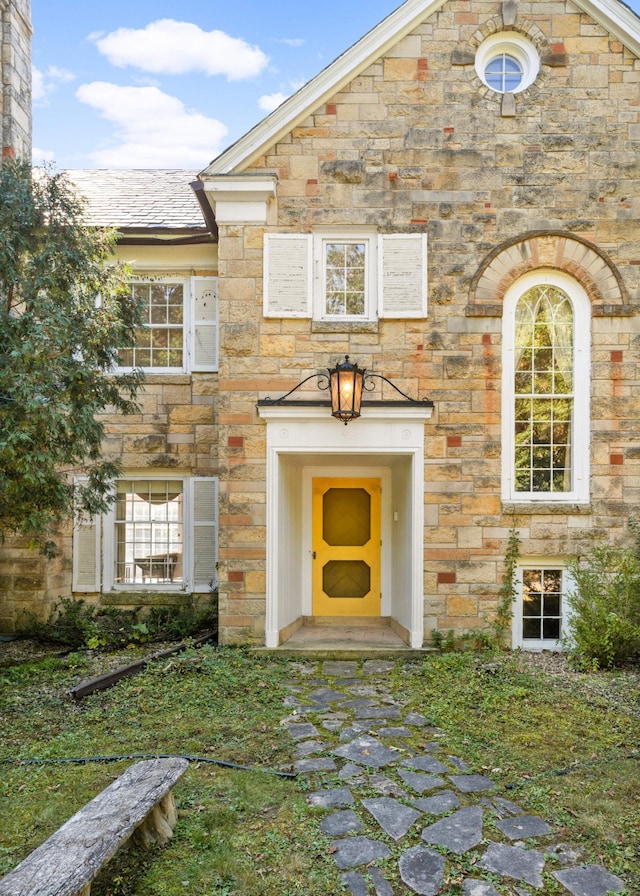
x: 540, y: 610
x: 546, y: 382
x: 160, y: 534
x: 345, y: 275
x: 179, y: 332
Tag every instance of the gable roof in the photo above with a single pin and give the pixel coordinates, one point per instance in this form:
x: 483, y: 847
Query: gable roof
x: 140, y: 200
x: 613, y: 15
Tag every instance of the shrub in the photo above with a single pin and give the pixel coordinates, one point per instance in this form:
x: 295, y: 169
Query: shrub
x: 77, y: 624
x: 604, y: 617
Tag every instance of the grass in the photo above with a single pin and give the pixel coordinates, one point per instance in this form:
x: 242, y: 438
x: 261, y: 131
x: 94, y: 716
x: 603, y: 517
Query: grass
x: 251, y: 832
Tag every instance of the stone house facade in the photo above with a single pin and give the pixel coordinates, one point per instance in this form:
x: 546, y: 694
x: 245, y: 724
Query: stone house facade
x: 498, y: 143
x: 453, y: 203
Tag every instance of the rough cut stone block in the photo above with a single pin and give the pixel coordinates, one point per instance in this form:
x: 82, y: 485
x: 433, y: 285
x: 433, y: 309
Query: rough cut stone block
x: 426, y: 764
x: 472, y: 783
x: 419, y: 782
x: 438, y: 803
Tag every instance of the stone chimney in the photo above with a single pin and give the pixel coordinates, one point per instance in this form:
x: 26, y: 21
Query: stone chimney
x: 15, y: 59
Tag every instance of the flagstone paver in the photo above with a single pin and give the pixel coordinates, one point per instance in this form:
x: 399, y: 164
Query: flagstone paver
x: 367, y: 751
x: 422, y: 870
x: 394, y: 818
x: 472, y: 783
x: 513, y: 861
x: 358, y: 851
x: 420, y: 782
x: 338, y: 824
x: 459, y: 832
x: 352, y: 704
x: 523, y: 826
x: 438, y: 803
x: 591, y: 880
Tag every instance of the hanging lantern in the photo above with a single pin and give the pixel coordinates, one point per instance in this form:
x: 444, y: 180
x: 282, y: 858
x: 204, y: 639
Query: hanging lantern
x: 346, y: 383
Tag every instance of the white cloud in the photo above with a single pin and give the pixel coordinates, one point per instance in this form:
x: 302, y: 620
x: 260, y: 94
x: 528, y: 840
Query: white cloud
x: 41, y: 156
x: 271, y: 101
x: 43, y: 83
x: 175, y: 48
x: 291, y: 41
x: 152, y: 129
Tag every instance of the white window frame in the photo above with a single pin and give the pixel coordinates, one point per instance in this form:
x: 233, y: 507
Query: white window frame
x: 511, y: 43
x: 193, y: 322
x: 191, y: 580
x: 581, y: 422
x: 321, y: 240
x: 568, y: 584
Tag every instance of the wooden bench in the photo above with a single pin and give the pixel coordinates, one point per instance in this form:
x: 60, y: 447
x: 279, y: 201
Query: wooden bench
x: 138, y: 805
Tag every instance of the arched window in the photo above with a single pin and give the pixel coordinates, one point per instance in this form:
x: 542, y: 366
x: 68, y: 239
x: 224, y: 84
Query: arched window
x: 546, y: 389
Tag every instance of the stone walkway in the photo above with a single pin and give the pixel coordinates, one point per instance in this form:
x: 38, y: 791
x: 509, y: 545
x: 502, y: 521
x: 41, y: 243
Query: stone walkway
x: 381, y: 799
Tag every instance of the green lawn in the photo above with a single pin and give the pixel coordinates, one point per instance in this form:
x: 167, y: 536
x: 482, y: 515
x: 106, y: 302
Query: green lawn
x: 250, y: 831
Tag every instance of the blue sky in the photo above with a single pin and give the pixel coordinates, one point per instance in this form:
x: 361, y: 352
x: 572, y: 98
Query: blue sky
x: 142, y: 84
x: 160, y: 84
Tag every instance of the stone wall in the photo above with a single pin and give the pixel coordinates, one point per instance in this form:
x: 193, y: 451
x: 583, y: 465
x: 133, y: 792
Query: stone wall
x: 15, y: 98
x: 417, y: 143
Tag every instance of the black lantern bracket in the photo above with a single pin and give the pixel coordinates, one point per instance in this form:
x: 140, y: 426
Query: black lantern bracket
x: 347, y: 382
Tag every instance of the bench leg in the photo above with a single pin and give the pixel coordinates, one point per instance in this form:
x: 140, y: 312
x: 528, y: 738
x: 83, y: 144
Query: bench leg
x: 157, y: 828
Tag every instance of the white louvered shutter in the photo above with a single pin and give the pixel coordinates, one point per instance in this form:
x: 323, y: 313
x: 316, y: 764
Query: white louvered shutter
x: 402, y: 275
x: 86, y: 555
x: 205, y: 533
x: 205, y: 323
x: 288, y: 274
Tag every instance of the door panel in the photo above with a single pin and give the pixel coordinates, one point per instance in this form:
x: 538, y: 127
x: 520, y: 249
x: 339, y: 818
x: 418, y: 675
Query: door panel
x: 346, y: 547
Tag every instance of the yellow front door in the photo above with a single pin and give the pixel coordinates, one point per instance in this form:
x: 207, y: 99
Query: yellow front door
x: 346, y: 547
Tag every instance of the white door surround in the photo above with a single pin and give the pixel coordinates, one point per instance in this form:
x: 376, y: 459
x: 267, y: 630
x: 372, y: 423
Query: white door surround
x: 304, y: 441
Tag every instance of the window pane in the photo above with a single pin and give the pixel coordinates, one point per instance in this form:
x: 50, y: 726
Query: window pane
x: 164, y: 317
x: 148, y: 532
x: 544, y: 343
x: 542, y: 604
x: 345, y: 275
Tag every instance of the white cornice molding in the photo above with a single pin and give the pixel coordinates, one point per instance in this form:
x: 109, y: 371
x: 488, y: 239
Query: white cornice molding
x: 240, y: 198
x: 329, y: 82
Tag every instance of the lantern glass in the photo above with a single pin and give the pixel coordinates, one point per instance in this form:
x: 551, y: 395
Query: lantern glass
x: 346, y: 390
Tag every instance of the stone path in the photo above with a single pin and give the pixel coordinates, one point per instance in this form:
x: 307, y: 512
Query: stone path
x: 417, y: 816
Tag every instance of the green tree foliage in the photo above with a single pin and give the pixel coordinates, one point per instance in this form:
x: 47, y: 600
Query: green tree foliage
x: 65, y: 311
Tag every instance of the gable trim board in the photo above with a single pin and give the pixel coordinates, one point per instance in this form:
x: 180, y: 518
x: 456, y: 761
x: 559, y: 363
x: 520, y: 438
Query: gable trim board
x: 612, y: 15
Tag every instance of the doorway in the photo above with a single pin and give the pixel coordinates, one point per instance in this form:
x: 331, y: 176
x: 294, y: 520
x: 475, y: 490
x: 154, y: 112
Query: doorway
x: 346, y: 546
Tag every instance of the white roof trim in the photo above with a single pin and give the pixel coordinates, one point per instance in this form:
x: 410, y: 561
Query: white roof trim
x: 613, y: 15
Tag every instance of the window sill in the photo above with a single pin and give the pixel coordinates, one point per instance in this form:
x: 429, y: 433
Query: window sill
x: 574, y: 507
x: 344, y: 326
x: 145, y: 597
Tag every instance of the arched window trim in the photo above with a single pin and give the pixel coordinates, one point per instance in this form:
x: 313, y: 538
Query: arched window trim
x: 581, y: 428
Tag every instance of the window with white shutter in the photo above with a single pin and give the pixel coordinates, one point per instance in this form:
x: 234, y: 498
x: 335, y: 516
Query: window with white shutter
x: 345, y: 275
x: 160, y: 535
x: 179, y: 332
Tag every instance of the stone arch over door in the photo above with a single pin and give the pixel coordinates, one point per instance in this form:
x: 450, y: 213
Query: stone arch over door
x: 558, y: 251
